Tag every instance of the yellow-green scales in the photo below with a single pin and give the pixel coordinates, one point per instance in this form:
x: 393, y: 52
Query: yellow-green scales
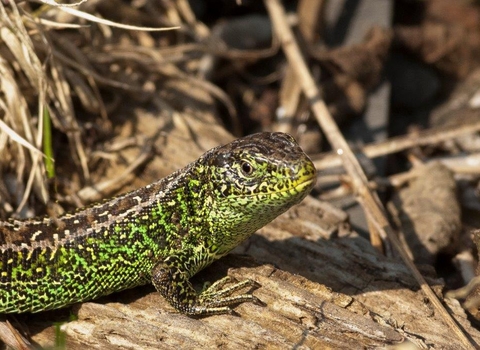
x: 163, y: 233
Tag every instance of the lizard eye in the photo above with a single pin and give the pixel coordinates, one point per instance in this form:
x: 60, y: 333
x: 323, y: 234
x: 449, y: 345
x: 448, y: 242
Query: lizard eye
x: 247, y: 168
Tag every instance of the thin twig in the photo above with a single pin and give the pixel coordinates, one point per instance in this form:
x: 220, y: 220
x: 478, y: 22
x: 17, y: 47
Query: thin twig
x: 309, y: 19
x: 400, y: 143
x: 373, y: 208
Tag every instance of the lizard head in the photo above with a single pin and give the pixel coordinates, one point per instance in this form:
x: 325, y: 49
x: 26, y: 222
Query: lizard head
x: 253, y: 180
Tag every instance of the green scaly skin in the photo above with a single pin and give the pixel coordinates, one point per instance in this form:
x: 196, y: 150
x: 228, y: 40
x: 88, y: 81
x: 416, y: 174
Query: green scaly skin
x: 163, y: 233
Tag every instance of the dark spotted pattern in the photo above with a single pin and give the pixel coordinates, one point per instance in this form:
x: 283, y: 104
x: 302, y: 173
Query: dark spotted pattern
x: 163, y: 233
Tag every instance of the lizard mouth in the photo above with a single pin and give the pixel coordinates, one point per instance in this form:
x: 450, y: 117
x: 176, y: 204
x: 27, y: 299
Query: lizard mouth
x: 306, y: 179
x: 304, y: 183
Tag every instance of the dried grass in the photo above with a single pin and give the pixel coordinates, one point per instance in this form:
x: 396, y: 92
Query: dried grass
x: 56, y: 58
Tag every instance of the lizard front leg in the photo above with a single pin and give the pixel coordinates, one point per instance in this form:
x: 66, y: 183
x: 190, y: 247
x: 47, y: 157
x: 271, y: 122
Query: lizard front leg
x: 170, y: 278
